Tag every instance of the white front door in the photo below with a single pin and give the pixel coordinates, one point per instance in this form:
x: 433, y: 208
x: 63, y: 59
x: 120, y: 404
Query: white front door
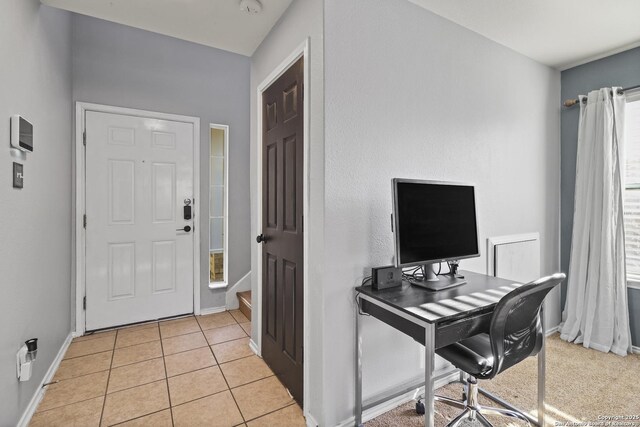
x: 139, y: 258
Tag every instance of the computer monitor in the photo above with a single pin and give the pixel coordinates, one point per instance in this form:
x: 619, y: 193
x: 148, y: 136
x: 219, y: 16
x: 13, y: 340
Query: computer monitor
x: 433, y: 222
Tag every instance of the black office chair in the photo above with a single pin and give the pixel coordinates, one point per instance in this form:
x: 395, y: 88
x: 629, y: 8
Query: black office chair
x: 515, y: 333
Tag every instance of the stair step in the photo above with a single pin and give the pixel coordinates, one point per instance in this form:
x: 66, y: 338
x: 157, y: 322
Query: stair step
x: 244, y: 298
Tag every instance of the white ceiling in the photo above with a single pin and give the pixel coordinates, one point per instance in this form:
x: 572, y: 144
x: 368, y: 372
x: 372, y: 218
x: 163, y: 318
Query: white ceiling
x: 558, y: 33
x: 215, y: 23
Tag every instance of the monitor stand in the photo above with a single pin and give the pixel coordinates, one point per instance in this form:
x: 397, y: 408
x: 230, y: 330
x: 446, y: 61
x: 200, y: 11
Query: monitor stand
x: 433, y: 282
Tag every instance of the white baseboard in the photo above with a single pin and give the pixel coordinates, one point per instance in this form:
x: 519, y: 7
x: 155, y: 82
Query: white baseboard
x: 254, y: 347
x: 311, y: 422
x: 552, y: 330
x: 390, y: 404
x: 635, y: 349
x: 244, y: 284
x: 39, y: 394
x: 212, y: 310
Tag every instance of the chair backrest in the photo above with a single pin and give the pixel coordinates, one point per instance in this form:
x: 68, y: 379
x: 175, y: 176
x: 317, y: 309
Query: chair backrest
x: 516, y: 329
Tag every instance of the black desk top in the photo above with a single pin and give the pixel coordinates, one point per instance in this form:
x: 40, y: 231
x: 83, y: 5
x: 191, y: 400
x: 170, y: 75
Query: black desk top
x: 479, y: 294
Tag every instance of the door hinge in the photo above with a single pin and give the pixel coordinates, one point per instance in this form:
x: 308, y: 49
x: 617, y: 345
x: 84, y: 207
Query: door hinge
x: 84, y: 303
x: 84, y: 138
x: 84, y: 221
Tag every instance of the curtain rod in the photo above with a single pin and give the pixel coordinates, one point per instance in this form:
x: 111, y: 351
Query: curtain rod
x: 568, y: 103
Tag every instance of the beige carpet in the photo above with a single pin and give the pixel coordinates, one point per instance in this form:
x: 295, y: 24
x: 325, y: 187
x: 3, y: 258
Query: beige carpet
x: 582, y: 384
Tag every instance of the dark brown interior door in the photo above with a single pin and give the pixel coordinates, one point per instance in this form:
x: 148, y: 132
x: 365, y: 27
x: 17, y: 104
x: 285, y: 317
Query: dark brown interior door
x: 282, y: 255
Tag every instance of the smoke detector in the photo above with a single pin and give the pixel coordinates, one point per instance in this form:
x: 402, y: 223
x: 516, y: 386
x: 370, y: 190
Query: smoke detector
x: 252, y: 7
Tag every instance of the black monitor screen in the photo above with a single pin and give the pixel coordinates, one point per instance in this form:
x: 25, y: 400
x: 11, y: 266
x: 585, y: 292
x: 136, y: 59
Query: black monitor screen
x: 434, y: 221
x: 26, y: 134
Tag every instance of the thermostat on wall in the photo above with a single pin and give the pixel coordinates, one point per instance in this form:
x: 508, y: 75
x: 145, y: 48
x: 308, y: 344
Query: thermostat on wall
x: 21, y: 133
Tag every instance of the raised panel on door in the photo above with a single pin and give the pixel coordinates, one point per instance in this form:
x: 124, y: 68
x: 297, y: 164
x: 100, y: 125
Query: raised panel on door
x: 122, y: 270
x: 289, y: 196
x: 163, y: 185
x: 272, y: 296
x: 121, y: 188
x: 271, y: 195
x: 165, y: 140
x: 164, y: 266
x: 271, y: 115
x: 122, y: 136
x: 290, y: 102
x: 289, y: 309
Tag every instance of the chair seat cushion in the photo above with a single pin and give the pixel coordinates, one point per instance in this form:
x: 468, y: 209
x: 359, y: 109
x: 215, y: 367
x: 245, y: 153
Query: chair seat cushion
x: 473, y: 355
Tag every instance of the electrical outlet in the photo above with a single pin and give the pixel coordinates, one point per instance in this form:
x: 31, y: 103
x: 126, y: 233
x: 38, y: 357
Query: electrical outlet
x: 18, y: 176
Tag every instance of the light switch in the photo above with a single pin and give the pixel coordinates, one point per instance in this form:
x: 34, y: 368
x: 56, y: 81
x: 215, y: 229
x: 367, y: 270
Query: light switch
x: 17, y: 175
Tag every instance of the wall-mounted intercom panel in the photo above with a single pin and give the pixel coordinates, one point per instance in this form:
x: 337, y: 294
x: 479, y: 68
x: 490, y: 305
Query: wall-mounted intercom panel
x: 21, y: 133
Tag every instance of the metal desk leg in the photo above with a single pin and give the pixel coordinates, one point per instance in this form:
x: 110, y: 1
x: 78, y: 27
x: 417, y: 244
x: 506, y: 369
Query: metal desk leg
x: 429, y: 364
x: 541, y: 373
x: 358, y: 361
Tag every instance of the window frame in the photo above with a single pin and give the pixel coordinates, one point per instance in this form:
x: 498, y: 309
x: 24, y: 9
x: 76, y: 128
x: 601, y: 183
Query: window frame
x: 225, y: 228
x: 633, y: 96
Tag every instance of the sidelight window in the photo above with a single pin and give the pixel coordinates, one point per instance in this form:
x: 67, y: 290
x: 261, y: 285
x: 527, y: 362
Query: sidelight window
x: 218, y: 206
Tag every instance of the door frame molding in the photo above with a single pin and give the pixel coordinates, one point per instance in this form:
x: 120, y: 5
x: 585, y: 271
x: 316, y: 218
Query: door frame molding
x: 301, y: 51
x: 79, y: 174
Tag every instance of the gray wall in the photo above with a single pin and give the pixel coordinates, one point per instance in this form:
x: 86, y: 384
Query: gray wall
x: 622, y: 69
x: 302, y: 20
x: 410, y: 94
x: 35, y: 233
x: 127, y: 67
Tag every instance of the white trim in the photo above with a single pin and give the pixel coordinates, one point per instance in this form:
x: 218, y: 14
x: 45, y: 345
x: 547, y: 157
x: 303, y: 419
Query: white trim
x: 254, y: 347
x: 552, y: 331
x: 492, y: 242
x: 310, y: 421
x: 633, y: 96
x: 635, y: 349
x: 212, y: 310
x: 391, y: 404
x: 225, y: 249
x: 80, y: 174
x: 39, y: 393
x: 301, y: 51
x: 244, y: 284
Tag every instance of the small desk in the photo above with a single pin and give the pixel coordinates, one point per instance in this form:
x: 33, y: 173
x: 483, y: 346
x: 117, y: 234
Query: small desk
x: 435, y: 320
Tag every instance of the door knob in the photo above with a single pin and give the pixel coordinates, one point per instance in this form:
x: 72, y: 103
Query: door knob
x: 187, y: 228
x: 261, y: 238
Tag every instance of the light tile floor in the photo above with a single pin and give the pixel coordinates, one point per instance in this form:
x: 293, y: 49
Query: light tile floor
x: 193, y: 371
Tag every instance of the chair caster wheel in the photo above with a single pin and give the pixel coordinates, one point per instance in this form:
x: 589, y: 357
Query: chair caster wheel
x: 420, y: 407
x: 464, y: 396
